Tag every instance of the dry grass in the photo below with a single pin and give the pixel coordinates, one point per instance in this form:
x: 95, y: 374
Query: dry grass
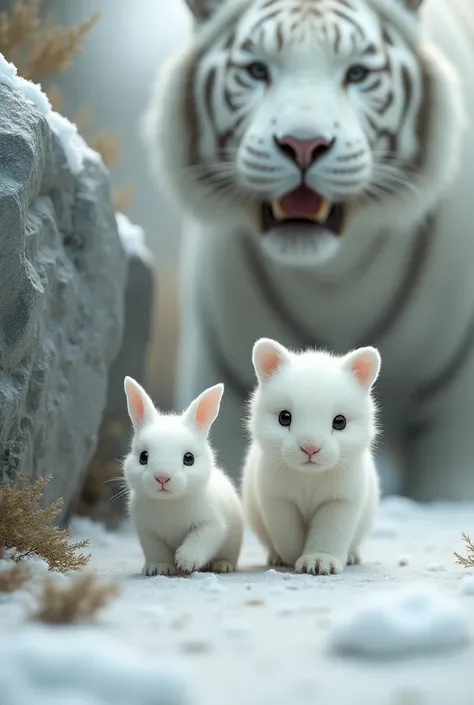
x: 42, y: 49
x: 19, y: 26
x: 14, y: 577
x: 52, y: 48
x: 122, y: 197
x: 79, y: 599
x: 38, y: 47
x: 26, y: 526
x: 468, y: 560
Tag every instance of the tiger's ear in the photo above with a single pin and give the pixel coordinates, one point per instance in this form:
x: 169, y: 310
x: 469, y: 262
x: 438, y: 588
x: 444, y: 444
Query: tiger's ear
x: 204, y: 9
x: 410, y: 5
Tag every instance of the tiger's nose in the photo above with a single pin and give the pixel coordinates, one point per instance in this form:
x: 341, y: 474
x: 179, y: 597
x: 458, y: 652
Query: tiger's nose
x: 303, y: 152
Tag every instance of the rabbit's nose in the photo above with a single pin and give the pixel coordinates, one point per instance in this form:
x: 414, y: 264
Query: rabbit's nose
x: 162, y: 479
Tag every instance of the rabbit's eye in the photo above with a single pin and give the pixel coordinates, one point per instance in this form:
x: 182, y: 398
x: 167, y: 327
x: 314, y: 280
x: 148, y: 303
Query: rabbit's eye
x: 188, y: 459
x: 339, y: 423
x: 284, y: 418
x: 143, y: 460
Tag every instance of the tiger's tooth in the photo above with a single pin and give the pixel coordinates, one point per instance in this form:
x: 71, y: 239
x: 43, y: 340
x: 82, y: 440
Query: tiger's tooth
x: 278, y: 211
x: 322, y: 214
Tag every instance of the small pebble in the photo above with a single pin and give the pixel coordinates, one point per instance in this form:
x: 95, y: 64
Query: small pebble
x: 254, y: 602
x: 435, y: 567
x: 180, y: 622
x: 196, y: 647
x: 407, y: 696
x: 403, y: 561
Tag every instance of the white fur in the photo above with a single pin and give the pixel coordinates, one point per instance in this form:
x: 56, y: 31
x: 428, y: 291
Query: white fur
x: 325, y: 300
x: 194, y: 520
x: 311, y: 512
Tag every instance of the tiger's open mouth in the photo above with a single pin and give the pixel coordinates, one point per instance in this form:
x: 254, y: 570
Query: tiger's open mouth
x: 306, y: 209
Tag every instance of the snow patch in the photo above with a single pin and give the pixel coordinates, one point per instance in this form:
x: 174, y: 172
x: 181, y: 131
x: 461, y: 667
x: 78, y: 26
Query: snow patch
x: 73, y: 145
x: 209, y: 582
x: 414, y: 620
x: 94, y: 531
x: 466, y: 586
x: 133, y: 239
x: 52, y: 667
x: 400, y: 508
x: 436, y: 568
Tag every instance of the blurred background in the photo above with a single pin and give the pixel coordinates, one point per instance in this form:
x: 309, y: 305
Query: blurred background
x: 123, y: 51
x: 97, y: 61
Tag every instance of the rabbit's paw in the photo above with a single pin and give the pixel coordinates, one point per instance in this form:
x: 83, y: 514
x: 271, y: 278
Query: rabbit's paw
x: 158, y: 569
x: 319, y: 564
x: 220, y: 565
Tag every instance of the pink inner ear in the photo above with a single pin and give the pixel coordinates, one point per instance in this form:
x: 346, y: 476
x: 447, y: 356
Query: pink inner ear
x: 362, y: 369
x: 136, y: 403
x: 206, y: 409
x: 269, y: 361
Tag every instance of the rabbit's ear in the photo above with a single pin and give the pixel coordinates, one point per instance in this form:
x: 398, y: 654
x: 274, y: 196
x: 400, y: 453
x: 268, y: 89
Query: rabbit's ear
x: 203, y: 411
x: 140, y: 407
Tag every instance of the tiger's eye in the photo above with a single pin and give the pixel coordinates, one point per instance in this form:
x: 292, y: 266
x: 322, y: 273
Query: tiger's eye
x: 356, y: 74
x: 259, y: 71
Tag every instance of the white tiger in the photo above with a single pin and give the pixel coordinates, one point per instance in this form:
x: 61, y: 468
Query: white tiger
x: 322, y: 152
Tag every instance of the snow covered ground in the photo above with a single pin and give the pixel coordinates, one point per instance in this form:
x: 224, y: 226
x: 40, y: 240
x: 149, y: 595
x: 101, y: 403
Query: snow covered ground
x: 397, y: 630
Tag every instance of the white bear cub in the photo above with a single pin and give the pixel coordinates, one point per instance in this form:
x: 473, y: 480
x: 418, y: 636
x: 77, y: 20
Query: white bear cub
x: 310, y: 487
x: 185, y: 509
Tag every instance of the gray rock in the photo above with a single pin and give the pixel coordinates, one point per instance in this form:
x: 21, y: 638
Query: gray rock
x: 101, y: 498
x: 62, y: 281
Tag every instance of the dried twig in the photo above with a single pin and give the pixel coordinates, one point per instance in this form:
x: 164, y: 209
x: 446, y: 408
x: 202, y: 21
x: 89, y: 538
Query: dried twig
x: 468, y: 560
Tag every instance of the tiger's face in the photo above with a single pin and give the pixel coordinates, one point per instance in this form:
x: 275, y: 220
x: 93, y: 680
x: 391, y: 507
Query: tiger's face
x: 303, y: 114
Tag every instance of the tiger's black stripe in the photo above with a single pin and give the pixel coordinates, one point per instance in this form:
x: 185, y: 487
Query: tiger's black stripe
x: 418, y: 262
x: 428, y: 391
x: 223, y: 369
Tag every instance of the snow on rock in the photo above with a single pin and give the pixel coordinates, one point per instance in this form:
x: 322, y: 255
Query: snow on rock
x: 133, y: 239
x: 65, y: 131
x: 413, y: 620
x: 80, y: 667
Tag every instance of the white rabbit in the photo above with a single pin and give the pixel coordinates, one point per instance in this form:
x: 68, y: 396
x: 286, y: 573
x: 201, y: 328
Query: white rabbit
x: 310, y: 488
x: 186, y: 511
